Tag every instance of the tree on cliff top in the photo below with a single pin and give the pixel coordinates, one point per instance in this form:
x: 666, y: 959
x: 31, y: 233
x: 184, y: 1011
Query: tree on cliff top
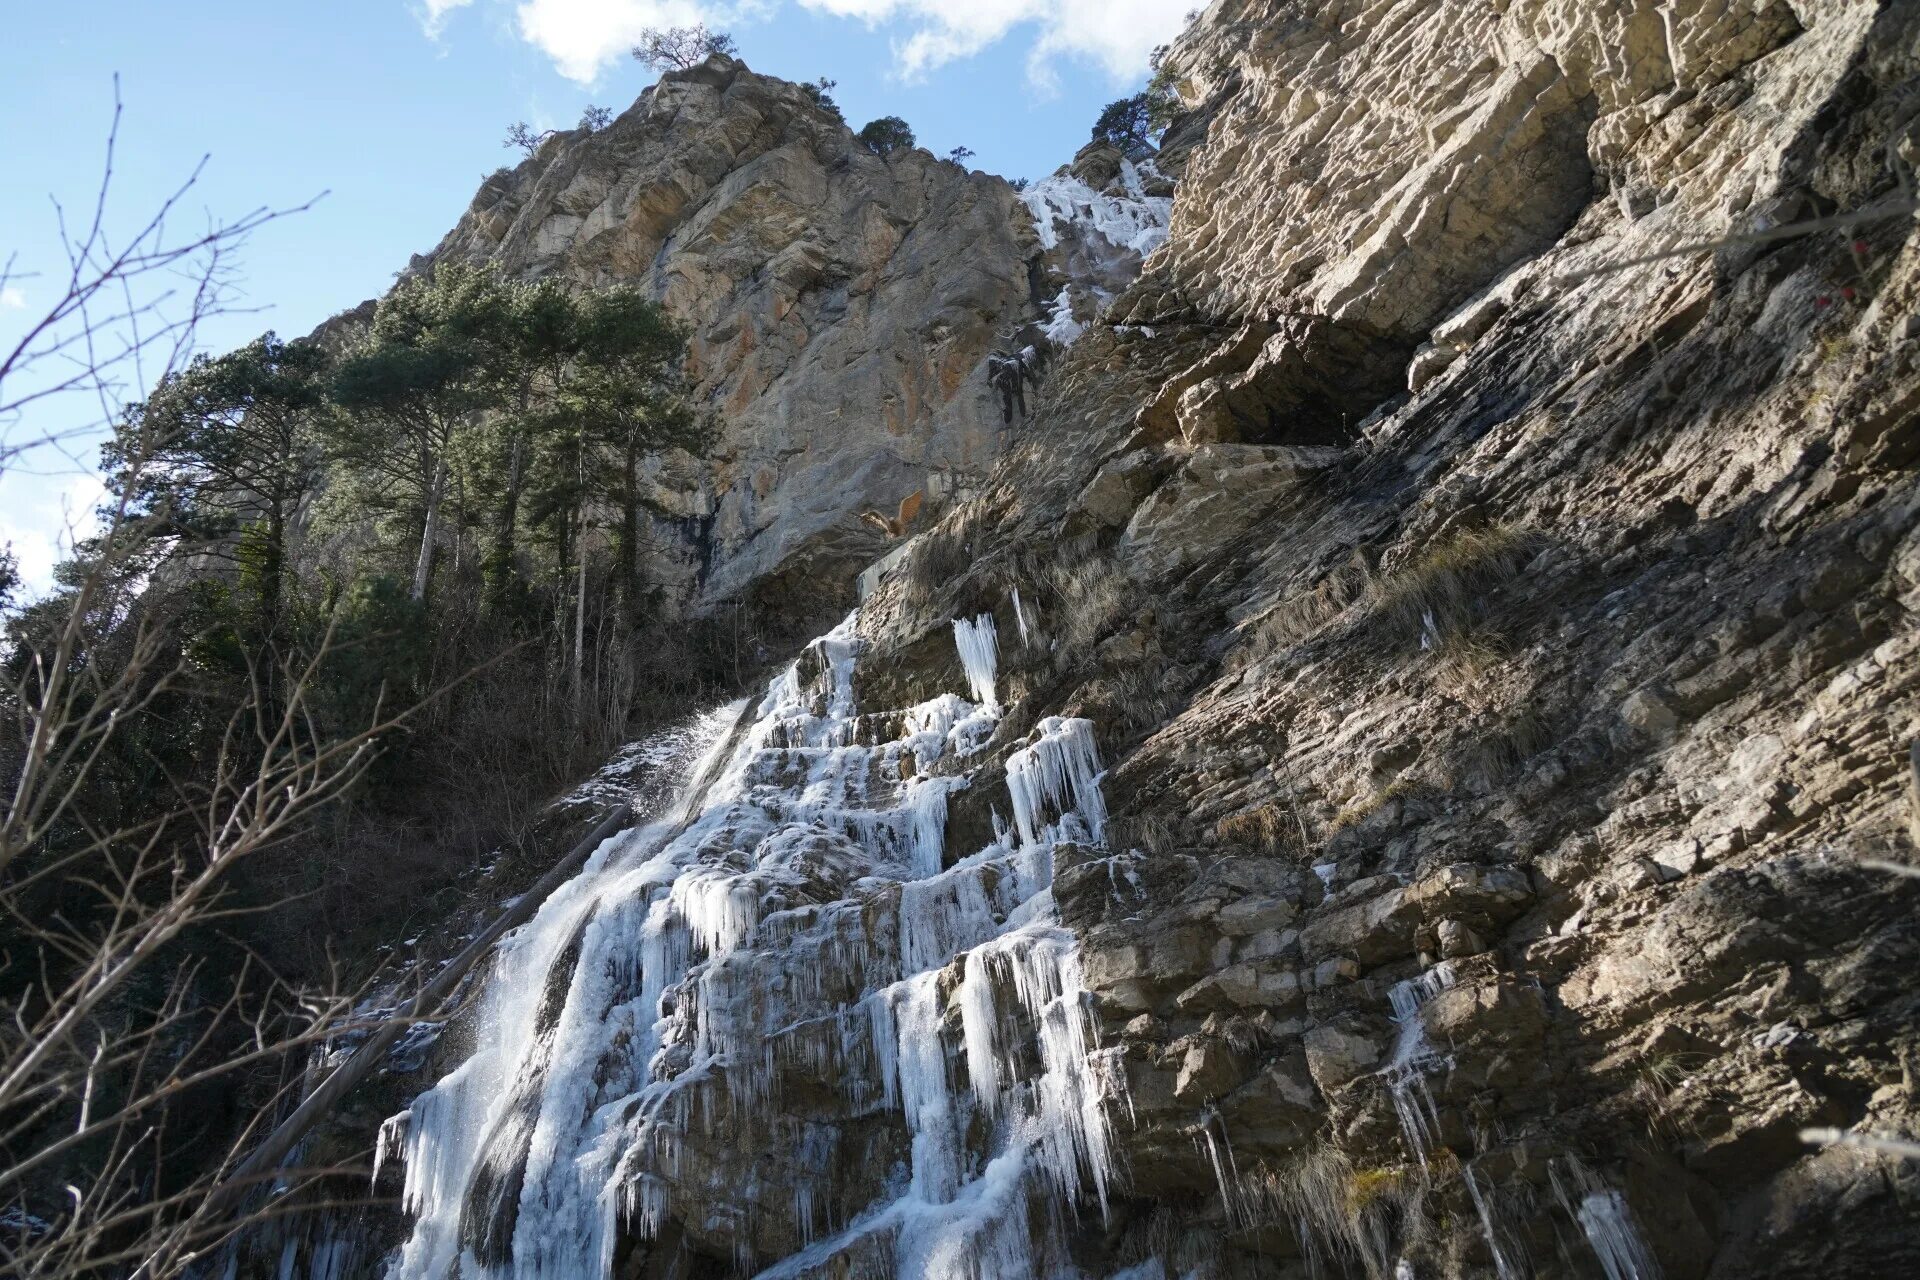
x: 681, y: 48
x: 1128, y: 124
x: 821, y: 91
x: 886, y: 135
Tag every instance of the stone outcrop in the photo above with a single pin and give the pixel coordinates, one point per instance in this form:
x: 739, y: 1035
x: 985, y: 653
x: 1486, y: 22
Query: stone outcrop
x: 842, y: 307
x: 1503, y: 648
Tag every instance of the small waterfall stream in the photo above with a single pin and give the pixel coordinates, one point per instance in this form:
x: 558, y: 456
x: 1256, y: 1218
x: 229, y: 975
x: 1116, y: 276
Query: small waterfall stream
x: 780, y: 1023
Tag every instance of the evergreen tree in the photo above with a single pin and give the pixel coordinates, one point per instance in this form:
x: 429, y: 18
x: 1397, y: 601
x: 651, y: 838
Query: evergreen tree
x: 886, y: 135
x: 231, y: 446
x: 413, y: 391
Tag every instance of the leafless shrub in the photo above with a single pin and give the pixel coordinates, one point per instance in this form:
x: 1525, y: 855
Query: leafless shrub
x: 126, y: 310
x: 113, y: 1030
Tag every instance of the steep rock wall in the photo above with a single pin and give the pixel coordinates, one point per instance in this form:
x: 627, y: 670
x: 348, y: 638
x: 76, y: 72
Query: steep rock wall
x: 842, y: 307
x: 1504, y: 654
x: 1453, y: 697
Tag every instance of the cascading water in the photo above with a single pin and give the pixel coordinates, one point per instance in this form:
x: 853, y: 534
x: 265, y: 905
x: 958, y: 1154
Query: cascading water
x: 1414, y: 1057
x: 1605, y: 1219
x: 776, y: 1024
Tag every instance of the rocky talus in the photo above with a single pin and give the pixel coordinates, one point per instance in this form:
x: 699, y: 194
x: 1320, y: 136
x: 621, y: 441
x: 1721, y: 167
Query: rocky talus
x: 1405, y: 765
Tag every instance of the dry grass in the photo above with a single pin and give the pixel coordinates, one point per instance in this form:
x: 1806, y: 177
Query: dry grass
x: 1362, y: 808
x: 1303, y: 616
x: 1361, y: 1215
x: 1268, y: 831
x: 1493, y: 759
x: 1442, y: 599
x: 1150, y: 833
x: 1073, y: 595
x: 1440, y: 603
x: 936, y: 559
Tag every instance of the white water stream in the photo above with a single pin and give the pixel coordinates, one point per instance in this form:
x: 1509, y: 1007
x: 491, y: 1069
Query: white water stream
x: 698, y: 1036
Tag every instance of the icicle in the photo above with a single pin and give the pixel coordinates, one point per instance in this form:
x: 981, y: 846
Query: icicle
x: 1413, y: 1057
x: 1226, y: 1173
x: 979, y: 648
x: 390, y: 1139
x: 1502, y: 1268
x: 742, y: 947
x: 1060, y: 771
x: 1606, y: 1220
x: 1020, y: 616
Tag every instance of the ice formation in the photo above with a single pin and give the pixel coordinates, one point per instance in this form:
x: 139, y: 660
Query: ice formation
x: 1502, y: 1266
x: 1131, y: 220
x: 1109, y: 229
x: 979, y: 646
x: 1605, y: 1219
x: 1414, y: 1057
x: 793, y: 920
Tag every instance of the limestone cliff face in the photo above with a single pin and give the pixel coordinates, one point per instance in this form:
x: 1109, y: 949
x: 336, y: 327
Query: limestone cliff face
x: 1503, y: 649
x: 1494, y: 615
x: 842, y: 307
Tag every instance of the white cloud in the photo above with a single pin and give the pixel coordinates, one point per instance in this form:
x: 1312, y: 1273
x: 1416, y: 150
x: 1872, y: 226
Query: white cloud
x: 583, y: 36
x: 40, y: 515
x: 11, y: 299
x: 433, y: 15
x: 1117, y: 35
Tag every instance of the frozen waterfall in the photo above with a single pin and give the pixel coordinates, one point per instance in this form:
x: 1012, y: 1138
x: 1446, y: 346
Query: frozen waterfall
x: 783, y: 1025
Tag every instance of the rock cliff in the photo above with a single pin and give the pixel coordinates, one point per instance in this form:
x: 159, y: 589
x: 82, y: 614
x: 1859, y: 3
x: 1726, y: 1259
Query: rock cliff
x: 842, y: 307
x: 1403, y: 767
x: 1499, y: 627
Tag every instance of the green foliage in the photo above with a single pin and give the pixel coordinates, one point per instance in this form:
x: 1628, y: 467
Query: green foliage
x: 594, y: 119
x: 1127, y: 123
x: 960, y: 155
x: 886, y: 135
x: 380, y: 653
x: 821, y: 92
x: 231, y: 443
x: 524, y: 136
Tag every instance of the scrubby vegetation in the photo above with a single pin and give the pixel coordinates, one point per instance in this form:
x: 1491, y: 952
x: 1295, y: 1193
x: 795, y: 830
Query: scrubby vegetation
x: 681, y: 48
x: 357, y: 608
x: 886, y: 135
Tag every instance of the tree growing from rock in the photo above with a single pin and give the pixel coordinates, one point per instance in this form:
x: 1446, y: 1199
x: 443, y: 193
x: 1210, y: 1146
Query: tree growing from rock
x: 594, y: 119
x: 681, y: 48
x: 960, y: 155
x: 886, y: 135
x: 1127, y: 123
x: 821, y: 91
x: 524, y: 136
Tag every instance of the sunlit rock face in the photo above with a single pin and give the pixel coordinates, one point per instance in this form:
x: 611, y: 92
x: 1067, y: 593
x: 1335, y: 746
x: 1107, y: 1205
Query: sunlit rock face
x: 1393, y: 774
x: 1499, y: 621
x: 842, y: 307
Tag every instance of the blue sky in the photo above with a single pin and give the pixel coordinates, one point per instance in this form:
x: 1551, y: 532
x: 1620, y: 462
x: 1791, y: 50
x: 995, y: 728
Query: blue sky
x: 397, y: 108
